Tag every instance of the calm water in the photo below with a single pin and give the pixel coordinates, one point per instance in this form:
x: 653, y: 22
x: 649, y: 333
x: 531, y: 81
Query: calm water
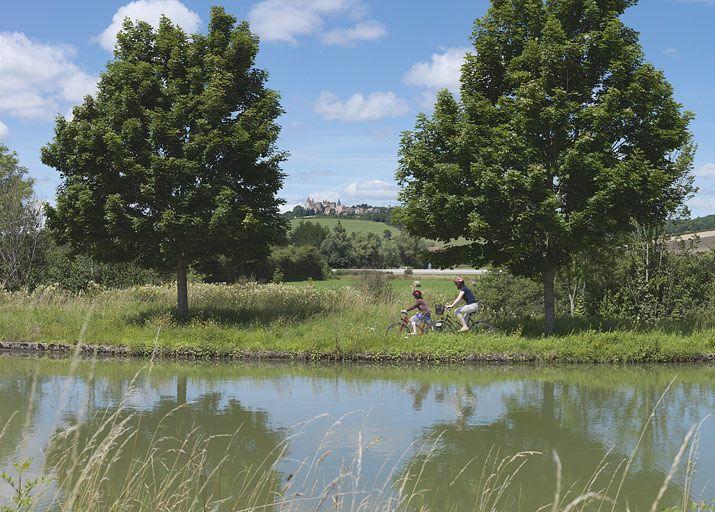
x: 453, y: 419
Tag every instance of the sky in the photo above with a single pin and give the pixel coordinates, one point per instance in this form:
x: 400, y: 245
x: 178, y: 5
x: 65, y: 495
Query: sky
x: 352, y: 75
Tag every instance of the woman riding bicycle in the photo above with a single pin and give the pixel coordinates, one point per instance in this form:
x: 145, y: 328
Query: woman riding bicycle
x: 423, y: 317
x: 470, y: 307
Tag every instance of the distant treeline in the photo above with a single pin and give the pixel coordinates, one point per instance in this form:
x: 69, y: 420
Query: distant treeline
x: 680, y: 227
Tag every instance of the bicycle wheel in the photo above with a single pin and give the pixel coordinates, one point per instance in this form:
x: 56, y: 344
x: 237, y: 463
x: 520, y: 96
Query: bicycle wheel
x: 396, y: 328
x: 446, y: 325
x: 481, y: 326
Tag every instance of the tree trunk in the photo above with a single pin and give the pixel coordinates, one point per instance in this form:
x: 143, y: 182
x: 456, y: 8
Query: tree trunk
x: 182, y: 294
x: 549, y: 313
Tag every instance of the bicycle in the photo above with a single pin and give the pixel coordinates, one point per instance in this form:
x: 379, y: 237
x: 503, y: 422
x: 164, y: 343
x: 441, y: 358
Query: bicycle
x: 448, y: 323
x: 404, y: 326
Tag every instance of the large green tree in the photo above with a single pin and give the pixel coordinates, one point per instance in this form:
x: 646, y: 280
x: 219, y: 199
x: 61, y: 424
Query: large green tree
x: 174, y: 161
x: 563, y: 136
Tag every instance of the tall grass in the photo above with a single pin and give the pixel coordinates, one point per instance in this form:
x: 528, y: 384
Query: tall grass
x: 87, y: 469
x: 309, y: 321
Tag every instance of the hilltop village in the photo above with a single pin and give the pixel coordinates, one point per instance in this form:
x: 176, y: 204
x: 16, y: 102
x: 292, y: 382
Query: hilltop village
x: 324, y: 207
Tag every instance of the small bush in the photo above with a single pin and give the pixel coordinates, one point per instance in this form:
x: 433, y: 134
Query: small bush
x: 508, y: 296
x: 377, y: 286
x: 75, y: 273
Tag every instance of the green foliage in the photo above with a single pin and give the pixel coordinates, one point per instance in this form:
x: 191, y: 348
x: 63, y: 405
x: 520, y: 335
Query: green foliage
x: 307, y: 233
x: 563, y: 136
x: 278, y: 277
x: 22, y: 487
x: 368, y: 250
x: 377, y: 286
x: 174, y: 162
x: 338, y: 249
x: 20, y: 222
x: 412, y: 249
x: 507, y: 296
x: 651, y: 281
x: 682, y: 226
x: 80, y: 272
x: 298, y: 263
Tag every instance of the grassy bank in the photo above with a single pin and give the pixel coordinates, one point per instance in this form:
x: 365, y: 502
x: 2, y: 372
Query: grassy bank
x: 311, y: 322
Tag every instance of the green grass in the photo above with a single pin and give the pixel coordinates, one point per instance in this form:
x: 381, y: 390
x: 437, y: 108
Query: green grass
x: 350, y: 225
x: 435, y: 287
x: 308, y: 321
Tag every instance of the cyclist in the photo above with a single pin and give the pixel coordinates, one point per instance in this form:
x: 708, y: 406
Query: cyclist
x: 470, y: 307
x: 423, y: 317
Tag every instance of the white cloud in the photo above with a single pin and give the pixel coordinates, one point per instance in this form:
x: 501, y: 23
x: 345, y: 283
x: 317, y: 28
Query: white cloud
x: 358, y: 108
x: 151, y: 12
x: 702, y: 204
x: 286, y: 20
x: 368, y: 191
x: 706, y: 171
x: 325, y: 195
x: 287, y: 207
x: 38, y: 80
x: 372, y: 189
x: 363, y: 31
x: 443, y: 71
x: 672, y: 52
x: 4, y: 130
x: 704, y: 201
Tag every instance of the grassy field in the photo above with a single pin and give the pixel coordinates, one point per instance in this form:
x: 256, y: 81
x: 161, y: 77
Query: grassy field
x: 437, y: 288
x: 350, y: 225
x: 332, y: 319
x: 705, y: 240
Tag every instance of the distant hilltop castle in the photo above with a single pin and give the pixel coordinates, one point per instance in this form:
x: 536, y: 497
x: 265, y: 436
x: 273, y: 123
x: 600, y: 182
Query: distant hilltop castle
x: 333, y: 208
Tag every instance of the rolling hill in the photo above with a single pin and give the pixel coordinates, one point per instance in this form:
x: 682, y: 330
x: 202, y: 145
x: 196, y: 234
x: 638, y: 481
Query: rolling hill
x: 350, y: 225
x: 699, y: 224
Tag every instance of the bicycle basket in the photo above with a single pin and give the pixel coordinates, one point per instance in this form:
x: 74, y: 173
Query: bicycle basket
x: 439, y: 309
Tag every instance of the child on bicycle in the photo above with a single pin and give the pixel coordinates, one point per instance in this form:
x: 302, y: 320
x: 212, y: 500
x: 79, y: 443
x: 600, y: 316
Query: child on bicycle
x: 470, y: 307
x: 423, y: 318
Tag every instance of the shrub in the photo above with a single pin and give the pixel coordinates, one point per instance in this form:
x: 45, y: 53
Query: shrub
x: 377, y: 286
x: 338, y: 249
x: 509, y: 296
x: 650, y: 282
x: 75, y: 273
x: 298, y: 263
x: 308, y: 233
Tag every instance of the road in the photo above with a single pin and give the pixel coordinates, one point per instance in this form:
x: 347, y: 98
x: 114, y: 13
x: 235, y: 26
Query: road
x: 423, y: 271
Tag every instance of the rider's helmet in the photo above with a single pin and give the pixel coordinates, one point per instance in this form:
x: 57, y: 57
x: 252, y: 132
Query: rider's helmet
x: 417, y: 294
x: 459, y: 282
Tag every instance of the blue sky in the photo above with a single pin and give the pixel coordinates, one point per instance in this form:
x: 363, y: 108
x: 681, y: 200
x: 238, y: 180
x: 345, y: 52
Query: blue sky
x: 352, y: 75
